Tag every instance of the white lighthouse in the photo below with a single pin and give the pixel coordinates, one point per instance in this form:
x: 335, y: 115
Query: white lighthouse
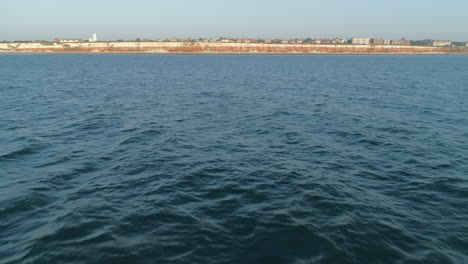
x: 94, y: 38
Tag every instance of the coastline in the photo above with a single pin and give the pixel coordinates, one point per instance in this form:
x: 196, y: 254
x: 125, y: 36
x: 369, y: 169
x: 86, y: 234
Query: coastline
x: 160, y: 48
x: 233, y: 53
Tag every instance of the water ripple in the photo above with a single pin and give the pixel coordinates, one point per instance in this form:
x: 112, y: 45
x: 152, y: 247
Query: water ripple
x: 233, y: 159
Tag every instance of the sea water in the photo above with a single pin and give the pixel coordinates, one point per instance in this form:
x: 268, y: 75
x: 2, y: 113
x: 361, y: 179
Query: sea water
x: 233, y: 159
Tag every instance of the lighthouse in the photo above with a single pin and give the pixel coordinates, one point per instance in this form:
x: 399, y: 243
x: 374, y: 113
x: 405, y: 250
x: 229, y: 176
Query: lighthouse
x: 94, y: 38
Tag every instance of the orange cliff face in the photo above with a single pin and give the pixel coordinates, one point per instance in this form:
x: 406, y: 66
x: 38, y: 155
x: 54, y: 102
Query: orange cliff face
x: 219, y: 48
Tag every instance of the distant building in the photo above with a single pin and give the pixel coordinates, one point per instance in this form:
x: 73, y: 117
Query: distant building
x: 441, y: 43
x: 401, y: 42
x: 378, y: 41
x: 245, y: 40
x: 339, y: 41
x: 94, y: 38
x: 466, y: 44
x: 390, y: 42
x: 225, y: 40
x: 68, y: 40
x: 361, y: 41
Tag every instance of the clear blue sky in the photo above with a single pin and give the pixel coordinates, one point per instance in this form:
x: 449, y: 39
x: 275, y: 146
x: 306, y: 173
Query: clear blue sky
x: 152, y: 19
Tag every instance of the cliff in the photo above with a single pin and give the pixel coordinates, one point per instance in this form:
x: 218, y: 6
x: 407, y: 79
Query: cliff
x: 219, y: 48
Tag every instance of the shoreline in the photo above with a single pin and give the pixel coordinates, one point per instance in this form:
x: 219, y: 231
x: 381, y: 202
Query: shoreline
x: 161, y: 48
x: 234, y: 53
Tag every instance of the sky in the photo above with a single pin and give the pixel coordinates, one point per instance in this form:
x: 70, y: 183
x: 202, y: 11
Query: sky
x: 159, y: 19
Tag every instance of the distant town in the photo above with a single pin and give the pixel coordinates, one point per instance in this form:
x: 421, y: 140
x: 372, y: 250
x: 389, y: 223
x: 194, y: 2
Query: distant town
x: 306, y: 41
x: 225, y: 45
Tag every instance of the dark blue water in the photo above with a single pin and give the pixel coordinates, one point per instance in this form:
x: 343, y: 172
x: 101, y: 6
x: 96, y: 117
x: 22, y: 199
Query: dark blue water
x: 233, y: 159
